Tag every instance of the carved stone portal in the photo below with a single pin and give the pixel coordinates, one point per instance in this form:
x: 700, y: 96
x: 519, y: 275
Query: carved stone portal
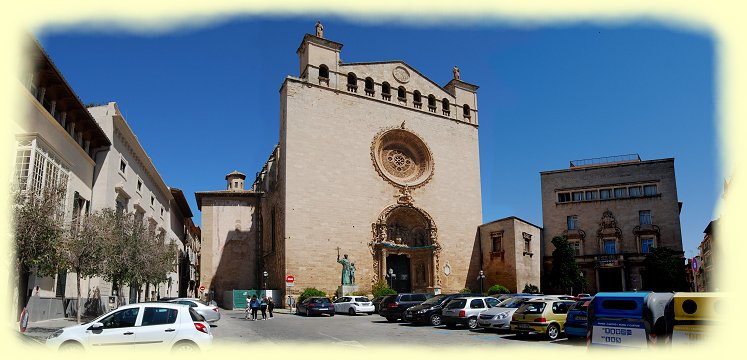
x: 407, y: 230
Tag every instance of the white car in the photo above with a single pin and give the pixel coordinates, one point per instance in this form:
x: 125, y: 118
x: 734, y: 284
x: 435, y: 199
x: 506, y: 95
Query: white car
x: 353, y: 305
x: 144, y: 326
x: 209, y: 312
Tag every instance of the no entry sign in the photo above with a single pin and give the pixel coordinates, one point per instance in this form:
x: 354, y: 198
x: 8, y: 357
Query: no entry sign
x: 290, y: 281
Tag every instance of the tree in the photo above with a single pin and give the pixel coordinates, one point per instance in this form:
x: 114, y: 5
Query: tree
x: 565, y: 272
x: 530, y: 289
x: 381, y: 288
x: 38, y: 224
x: 664, y: 270
x: 82, y: 248
x: 498, y: 289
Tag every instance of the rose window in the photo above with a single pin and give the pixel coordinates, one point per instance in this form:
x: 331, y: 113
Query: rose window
x: 402, y: 158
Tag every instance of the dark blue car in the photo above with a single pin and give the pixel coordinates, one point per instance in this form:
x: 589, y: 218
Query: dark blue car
x: 577, y: 319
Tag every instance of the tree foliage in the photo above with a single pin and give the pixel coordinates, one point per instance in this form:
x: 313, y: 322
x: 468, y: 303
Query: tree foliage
x: 82, y: 248
x: 664, y: 270
x: 530, y: 289
x: 381, y: 288
x: 498, y: 289
x: 310, y: 292
x: 38, y: 222
x: 565, y: 272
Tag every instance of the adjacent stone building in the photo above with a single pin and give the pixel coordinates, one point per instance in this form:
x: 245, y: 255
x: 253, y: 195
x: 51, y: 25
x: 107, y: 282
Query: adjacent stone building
x: 510, y: 253
x: 230, y: 236
x: 57, y: 141
x: 612, y: 211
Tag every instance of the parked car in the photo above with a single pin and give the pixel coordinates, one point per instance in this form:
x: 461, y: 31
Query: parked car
x: 430, y: 310
x: 376, y: 302
x: 353, y: 305
x: 465, y: 310
x: 143, y: 326
x: 544, y: 316
x: 393, y: 306
x: 499, y: 316
x: 503, y: 297
x: 316, y: 305
x: 209, y: 312
x: 577, y: 319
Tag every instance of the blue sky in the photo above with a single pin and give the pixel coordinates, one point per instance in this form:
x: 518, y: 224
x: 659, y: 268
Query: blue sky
x: 204, y: 101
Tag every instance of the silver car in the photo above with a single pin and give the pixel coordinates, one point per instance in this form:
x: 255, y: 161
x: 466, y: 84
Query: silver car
x: 465, y: 311
x: 209, y: 312
x: 499, y: 316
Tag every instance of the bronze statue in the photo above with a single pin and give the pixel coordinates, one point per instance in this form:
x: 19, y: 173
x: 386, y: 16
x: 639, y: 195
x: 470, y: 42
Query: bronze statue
x: 345, y: 279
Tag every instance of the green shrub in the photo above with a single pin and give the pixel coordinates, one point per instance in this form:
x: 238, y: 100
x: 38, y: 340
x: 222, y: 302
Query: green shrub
x: 531, y: 289
x: 498, y: 289
x: 381, y: 289
x: 359, y: 293
x: 310, y: 292
x: 465, y: 291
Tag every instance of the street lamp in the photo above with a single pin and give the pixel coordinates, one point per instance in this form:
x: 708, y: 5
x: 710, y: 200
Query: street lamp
x: 481, y: 277
x: 391, y: 278
x: 265, y: 274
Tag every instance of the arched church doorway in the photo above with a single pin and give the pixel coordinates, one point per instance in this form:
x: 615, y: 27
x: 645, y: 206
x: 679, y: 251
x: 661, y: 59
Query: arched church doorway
x: 405, y: 242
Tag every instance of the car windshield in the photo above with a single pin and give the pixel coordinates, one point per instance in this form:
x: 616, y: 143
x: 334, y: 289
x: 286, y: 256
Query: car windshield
x: 513, y: 302
x: 456, y: 304
x: 320, y: 300
x: 582, y: 305
x: 531, y: 308
x: 361, y: 299
x: 434, y: 300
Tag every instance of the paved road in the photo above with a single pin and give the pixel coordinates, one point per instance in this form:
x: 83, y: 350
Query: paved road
x: 361, y: 331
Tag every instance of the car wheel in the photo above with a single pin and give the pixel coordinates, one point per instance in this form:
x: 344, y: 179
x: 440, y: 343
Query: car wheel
x: 351, y: 311
x: 391, y: 319
x: 70, y: 346
x: 306, y: 313
x: 332, y: 314
x: 435, y: 320
x: 553, y: 331
x: 184, y: 346
x: 472, y: 323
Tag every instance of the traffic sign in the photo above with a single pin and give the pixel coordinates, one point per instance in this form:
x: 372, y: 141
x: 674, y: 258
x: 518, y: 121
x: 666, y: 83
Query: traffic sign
x: 290, y: 279
x: 695, y: 264
x: 202, y: 287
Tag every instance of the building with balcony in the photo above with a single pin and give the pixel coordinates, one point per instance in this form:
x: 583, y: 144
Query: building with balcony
x: 57, y: 141
x: 612, y: 211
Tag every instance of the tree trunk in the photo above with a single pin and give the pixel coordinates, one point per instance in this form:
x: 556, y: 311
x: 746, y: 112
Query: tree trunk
x: 147, y: 291
x: 23, y: 284
x: 77, y: 283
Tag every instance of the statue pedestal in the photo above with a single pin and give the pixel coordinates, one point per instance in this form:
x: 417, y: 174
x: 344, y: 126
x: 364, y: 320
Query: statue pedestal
x: 343, y: 290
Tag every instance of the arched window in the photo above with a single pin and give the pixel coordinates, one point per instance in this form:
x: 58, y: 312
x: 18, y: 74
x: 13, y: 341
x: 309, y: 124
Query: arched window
x: 323, y: 71
x: 369, y: 86
x: 352, y: 82
x: 445, y: 106
x: 401, y: 93
x: 431, y: 103
x: 417, y: 99
x: 386, y: 91
x: 465, y: 111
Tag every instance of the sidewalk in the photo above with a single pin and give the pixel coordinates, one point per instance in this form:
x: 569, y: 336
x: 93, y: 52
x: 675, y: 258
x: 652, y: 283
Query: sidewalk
x: 40, y: 330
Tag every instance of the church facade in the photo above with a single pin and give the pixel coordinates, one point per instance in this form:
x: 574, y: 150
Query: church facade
x: 377, y: 162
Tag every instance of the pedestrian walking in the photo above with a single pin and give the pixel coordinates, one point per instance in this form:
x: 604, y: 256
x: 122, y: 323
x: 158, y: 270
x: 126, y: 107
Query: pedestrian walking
x: 263, y: 307
x: 248, y: 309
x: 270, y: 306
x: 291, y: 302
x: 254, y: 305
